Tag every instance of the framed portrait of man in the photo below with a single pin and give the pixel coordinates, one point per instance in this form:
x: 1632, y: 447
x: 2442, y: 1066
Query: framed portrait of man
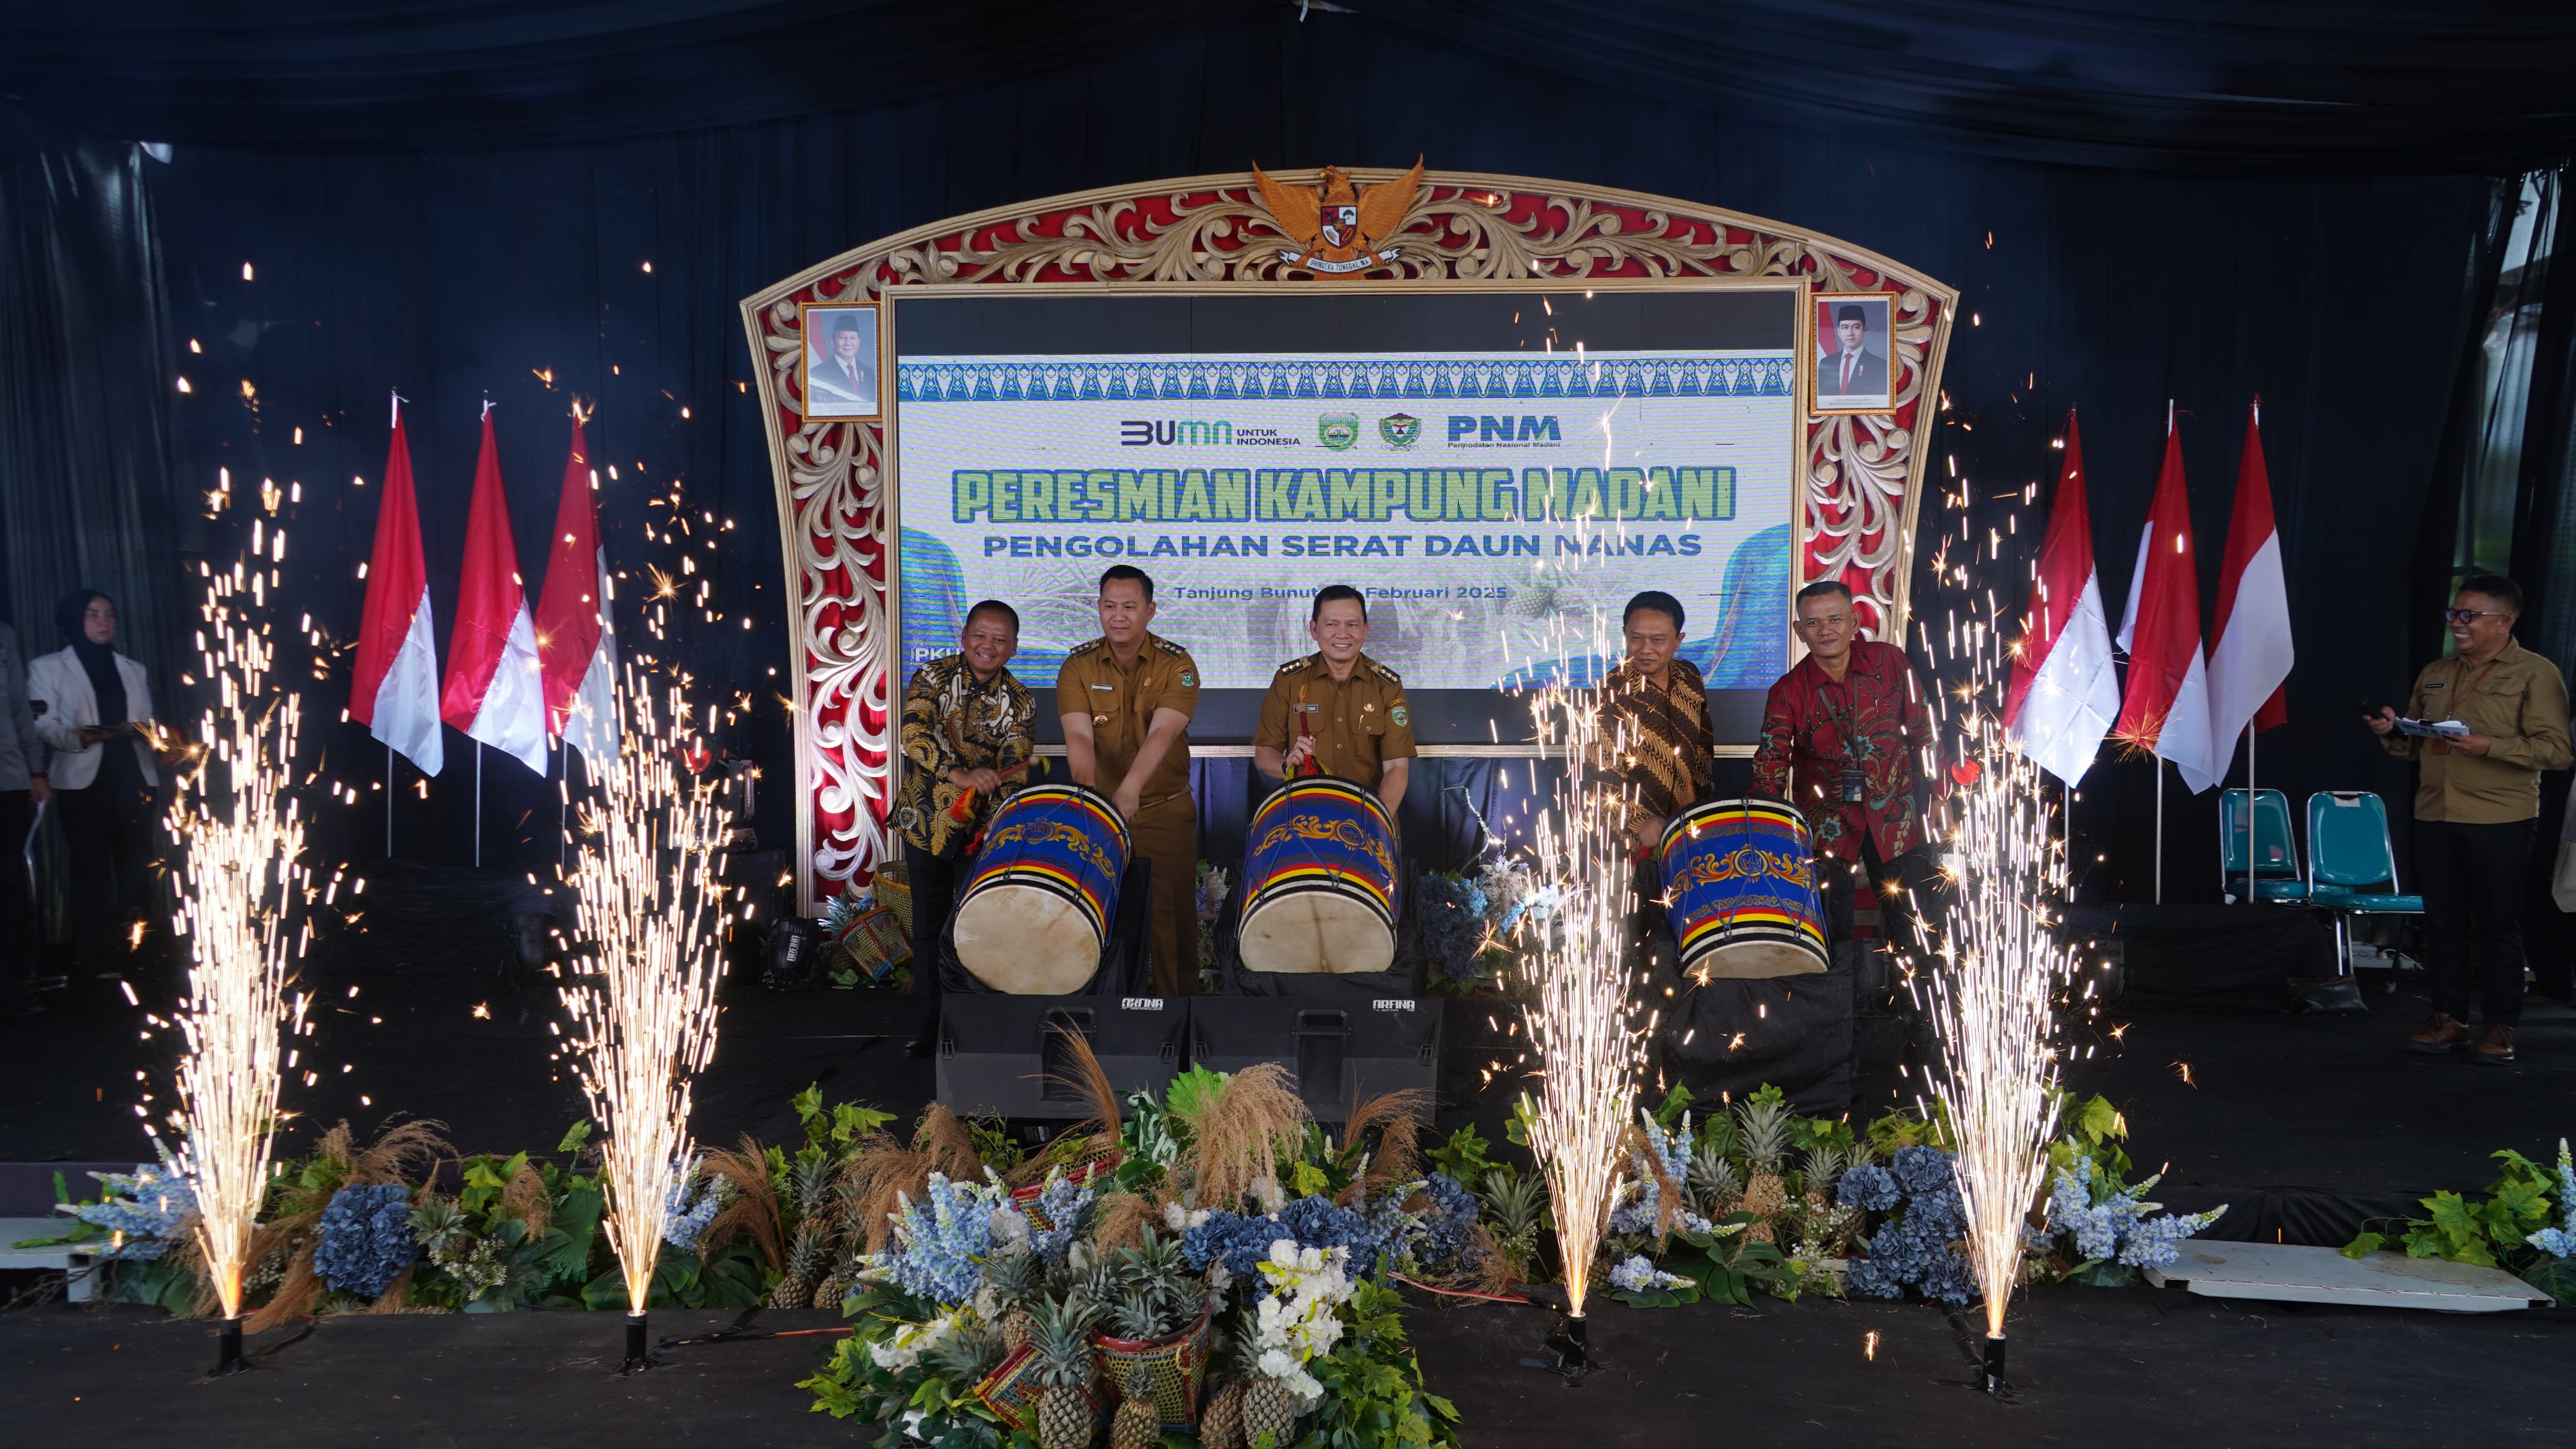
x: 840, y: 375
x: 1855, y: 367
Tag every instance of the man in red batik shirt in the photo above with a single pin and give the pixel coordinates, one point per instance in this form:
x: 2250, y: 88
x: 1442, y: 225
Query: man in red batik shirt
x: 1845, y: 736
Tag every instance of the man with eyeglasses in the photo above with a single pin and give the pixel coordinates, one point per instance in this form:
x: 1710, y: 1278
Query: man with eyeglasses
x: 2475, y: 804
x: 1845, y: 734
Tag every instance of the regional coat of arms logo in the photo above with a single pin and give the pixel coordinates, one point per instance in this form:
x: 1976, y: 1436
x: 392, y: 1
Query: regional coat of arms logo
x: 1338, y: 431
x: 1403, y: 430
x: 1339, y: 230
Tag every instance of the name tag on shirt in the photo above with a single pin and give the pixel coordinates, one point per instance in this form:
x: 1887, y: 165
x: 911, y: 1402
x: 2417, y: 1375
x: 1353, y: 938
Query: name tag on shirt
x: 1106, y: 688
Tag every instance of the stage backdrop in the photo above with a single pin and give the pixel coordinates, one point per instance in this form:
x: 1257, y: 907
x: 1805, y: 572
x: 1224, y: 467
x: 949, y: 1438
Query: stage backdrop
x: 1421, y: 395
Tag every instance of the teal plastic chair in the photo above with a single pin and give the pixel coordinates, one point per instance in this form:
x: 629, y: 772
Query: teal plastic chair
x: 2348, y: 850
x: 2274, y: 851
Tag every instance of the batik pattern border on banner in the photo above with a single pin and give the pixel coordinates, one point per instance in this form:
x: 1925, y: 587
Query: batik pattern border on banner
x: 1863, y: 471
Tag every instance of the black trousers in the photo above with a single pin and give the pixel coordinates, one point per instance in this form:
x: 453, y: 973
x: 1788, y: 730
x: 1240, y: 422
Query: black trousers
x: 1916, y: 871
x: 934, y: 896
x: 110, y: 832
x: 2471, y: 879
x: 17, y: 903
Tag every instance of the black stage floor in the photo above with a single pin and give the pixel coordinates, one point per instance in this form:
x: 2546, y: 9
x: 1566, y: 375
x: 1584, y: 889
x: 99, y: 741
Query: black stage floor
x: 2095, y: 1367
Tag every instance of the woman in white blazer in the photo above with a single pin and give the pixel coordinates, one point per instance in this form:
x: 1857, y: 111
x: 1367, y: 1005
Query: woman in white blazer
x: 89, y: 702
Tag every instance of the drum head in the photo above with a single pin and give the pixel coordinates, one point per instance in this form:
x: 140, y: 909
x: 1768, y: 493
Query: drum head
x: 1024, y: 941
x: 1756, y: 960
x: 1314, y: 931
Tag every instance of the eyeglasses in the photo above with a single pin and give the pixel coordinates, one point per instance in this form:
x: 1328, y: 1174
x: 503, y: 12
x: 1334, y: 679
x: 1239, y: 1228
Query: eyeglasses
x: 2462, y: 616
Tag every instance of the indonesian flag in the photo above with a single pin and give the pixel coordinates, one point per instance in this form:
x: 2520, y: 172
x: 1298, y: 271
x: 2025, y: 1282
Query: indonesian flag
x: 494, y: 693
x: 2252, y: 656
x: 394, y: 691
x: 575, y: 636
x: 2065, y: 691
x: 2167, y: 708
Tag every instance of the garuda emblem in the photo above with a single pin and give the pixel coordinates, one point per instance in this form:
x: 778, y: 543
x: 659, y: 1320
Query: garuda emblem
x: 1339, y: 229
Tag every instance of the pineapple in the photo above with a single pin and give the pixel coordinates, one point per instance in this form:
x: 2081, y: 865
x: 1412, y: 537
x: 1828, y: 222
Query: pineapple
x: 1157, y: 1268
x: 1065, y: 1367
x: 1825, y: 1167
x: 1017, y: 1281
x: 1713, y: 1184
x: 1221, y: 1422
x: 807, y: 1259
x: 1764, y: 1127
x: 1268, y: 1408
x: 967, y: 1354
x: 1138, y: 1423
x: 843, y: 1279
x: 1138, y: 1317
x: 1515, y: 1207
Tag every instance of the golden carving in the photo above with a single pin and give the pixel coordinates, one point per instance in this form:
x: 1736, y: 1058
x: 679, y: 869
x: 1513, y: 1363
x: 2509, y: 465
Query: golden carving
x: 1339, y: 231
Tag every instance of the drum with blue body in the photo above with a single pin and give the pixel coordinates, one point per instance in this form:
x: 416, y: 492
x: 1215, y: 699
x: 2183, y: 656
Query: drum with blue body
x: 1740, y: 891
x: 1042, y: 892
x: 1319, y: 881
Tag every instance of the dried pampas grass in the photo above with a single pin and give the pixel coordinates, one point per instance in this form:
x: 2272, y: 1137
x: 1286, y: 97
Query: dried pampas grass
x: 1238, y: 1133
x: 1397, y: 1118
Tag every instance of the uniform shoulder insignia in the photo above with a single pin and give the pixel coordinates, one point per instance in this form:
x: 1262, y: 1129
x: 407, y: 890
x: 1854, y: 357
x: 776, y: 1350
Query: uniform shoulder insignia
x: 1088, y: 646
x: 1167, y: 646
x: 1302, y: 661
x: 1383, y: 672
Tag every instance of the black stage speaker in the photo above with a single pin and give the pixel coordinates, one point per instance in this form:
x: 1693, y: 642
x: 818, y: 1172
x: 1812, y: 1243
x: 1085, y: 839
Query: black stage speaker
x: 1004, y: 1056
x: 1342, y: 1051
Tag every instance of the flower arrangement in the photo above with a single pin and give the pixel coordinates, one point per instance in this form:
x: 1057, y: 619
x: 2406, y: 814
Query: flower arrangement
x: 144, y: 1211
x: 1454, y: 931
x: 1227, y: 1278
x: 1209, y: 908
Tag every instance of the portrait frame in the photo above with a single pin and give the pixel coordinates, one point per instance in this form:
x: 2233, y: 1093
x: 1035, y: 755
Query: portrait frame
x: 822, y: 324
x: 1823, y: 309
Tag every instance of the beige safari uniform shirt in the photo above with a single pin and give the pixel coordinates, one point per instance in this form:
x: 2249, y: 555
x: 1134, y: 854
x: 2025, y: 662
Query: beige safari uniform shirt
x: 1122, y: 702
x: 2519, y: 702
x: 1358, y: 723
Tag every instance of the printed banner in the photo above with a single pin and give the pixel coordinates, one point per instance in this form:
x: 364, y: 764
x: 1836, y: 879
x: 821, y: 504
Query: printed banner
x: 1440, y: 486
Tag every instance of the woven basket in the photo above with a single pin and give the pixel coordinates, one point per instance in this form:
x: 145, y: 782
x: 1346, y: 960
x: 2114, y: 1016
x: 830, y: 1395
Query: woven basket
x: 894, y: 892
x: 1178, y: 1365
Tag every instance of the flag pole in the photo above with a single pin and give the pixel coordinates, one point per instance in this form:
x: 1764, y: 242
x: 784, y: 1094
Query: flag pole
x: 389, y: 802
x: 2253, y: 799
x: 2160, y: 827
x: 478, y: 804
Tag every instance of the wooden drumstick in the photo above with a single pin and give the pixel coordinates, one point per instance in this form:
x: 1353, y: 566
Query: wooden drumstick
x: 962, y: 809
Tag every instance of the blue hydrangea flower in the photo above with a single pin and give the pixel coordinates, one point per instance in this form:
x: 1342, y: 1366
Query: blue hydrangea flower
x: 941, y: 1241
x: 1915, y: 1249
x: 1869, y: 1187
x: 1448, y: 1224
x: 1452, y: 916
x: 1237, y: 1241
x: 1922, y: 1170
x: 147, y: 1205
x: 366, y: 1239
x: 1639, y: 1276
x: 1638, y: 1208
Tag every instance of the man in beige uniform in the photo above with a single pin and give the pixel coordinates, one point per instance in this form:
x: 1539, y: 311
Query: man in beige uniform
x: 1336, y: 711
x: 1126, y: 699
x: 2474, y: 810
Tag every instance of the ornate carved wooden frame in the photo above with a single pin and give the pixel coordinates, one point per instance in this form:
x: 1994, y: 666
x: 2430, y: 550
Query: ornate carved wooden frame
x: 1864, y: 472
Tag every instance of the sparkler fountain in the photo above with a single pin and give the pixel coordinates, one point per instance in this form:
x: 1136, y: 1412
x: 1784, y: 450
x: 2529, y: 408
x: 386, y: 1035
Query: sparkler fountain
x: 1590, y: 1048
x: 240, y: 840
x: 643, y: 1004
x: 1993, y: 993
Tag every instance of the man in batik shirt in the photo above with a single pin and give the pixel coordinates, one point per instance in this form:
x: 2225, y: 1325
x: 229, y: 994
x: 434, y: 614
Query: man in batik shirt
x: 969, y: 737
x: 1846, y: 735
x: 1665, y: 751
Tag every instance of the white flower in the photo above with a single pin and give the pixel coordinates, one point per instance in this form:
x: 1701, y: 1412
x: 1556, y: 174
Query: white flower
x: 1180, y: 1219
x: 1010, y: 1228
x: 1276, y: 1363
x: 1265, y: 1190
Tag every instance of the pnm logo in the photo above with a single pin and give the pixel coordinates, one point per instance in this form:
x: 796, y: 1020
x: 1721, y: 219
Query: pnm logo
x: 1400, y: 431
x: 1142, y: 433
x: 1339, y: 431
x: 1480, y: 430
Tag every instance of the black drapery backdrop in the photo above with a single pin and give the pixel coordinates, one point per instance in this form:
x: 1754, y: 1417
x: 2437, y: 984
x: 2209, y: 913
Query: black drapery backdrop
x: 522, y: 273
